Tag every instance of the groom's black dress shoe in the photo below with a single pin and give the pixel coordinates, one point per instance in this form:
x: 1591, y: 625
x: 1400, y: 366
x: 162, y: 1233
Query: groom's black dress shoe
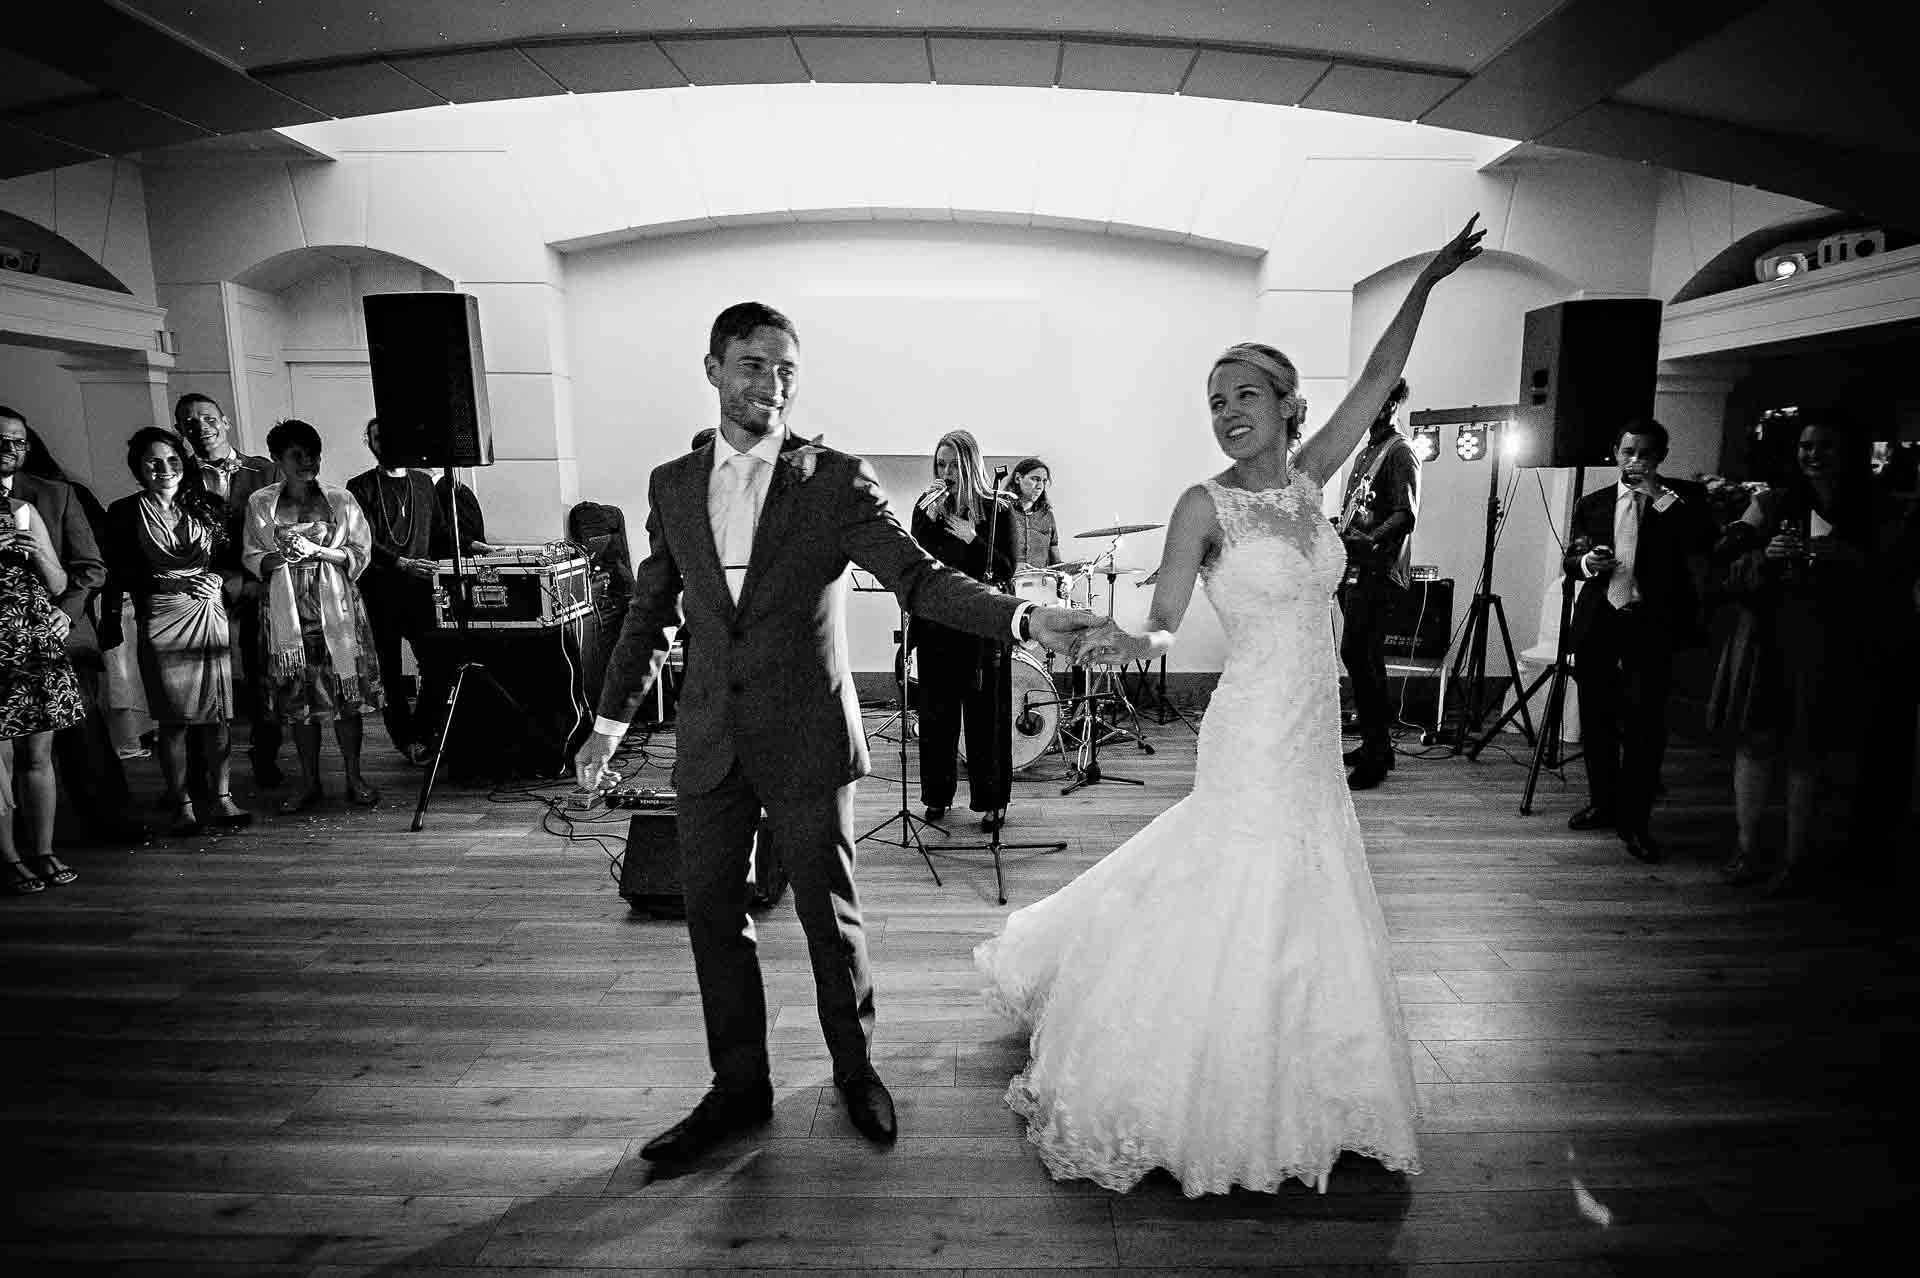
x: 870, y: 1108
x: 717, y: 1114
x: 1591, y: 817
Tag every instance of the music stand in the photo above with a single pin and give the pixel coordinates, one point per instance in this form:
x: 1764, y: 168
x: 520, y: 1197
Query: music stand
x: 461, y: 602
x: 909, y: 823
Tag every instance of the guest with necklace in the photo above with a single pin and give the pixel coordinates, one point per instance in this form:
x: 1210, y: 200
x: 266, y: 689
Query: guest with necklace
x: 163, y: 545
x: 404, y: 516
x: 309, y: 542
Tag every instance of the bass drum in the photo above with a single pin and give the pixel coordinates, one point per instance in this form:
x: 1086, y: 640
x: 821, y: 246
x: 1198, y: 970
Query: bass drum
x: 1036, y: 711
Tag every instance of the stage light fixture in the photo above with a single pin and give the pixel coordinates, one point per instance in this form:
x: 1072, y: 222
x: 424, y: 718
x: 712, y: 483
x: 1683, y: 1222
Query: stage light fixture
x: 1470, y: 443
x: 1425, y: 442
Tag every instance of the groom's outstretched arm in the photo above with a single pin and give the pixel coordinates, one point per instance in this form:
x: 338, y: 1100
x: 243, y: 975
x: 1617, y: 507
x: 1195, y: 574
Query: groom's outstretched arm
x: 872, y: 538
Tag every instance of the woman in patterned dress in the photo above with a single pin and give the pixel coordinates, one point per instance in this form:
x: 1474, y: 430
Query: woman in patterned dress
x: 39, y: 694
x: 309, y: 542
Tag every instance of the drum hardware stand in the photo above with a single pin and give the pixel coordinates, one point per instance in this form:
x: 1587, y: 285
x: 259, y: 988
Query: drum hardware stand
x: 910, y: 825
x: 1469, y: 667
x: 1086, y: 763
x: 462, y: 604
x: 1111, y: 684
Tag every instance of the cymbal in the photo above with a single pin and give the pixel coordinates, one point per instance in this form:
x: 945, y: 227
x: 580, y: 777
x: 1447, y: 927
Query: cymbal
x: 1071, y: 566
x: 1150, y: 579
x: 1119, y: 530
x: 1111, y: 571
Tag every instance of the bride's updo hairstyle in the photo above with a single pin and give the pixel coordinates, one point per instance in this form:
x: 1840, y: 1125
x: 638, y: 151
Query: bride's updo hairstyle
x: 1280, y: 374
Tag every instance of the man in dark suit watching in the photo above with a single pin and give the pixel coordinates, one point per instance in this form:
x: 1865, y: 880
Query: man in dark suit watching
x: 1632, y: 543
x: 234, y: 476
x: 749, y: 541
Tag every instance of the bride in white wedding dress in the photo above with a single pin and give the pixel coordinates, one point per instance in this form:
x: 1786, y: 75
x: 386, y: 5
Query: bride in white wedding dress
x: 1216, y: 996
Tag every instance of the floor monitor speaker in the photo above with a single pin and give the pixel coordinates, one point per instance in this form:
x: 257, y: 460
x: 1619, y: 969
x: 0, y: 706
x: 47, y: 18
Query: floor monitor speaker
x: 650, y: 867
x: 1586, y: 370
x: 429, y: 379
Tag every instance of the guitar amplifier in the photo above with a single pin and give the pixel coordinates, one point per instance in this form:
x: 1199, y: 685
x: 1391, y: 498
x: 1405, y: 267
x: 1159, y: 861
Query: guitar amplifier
x: 515, y: 588
x: 650, y: 867
x: 1420, y: 622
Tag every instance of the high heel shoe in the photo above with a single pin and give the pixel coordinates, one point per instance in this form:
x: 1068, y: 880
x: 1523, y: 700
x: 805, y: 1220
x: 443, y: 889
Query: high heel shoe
x: 231, y: 814
x: 305, y: 801
x: 186, y: 822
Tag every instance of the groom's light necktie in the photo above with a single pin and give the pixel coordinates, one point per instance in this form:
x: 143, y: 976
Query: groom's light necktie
x: 740, y: 510
x: 1620, y: 591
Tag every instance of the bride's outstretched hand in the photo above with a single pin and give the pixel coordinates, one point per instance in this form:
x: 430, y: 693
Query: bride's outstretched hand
x: 1456, y: 252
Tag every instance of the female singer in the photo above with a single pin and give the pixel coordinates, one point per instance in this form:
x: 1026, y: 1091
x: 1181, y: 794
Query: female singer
x: 963, y: 677
x: 1036, y: 537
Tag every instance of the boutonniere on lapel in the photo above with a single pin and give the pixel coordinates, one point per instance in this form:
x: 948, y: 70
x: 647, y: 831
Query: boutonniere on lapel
x: 803, y: 458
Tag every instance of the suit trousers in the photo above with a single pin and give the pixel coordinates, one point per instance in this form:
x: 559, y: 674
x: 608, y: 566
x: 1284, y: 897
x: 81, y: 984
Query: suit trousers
x: 1367, y: 605
x: 812, y: 835
x: 399, y: 613
x: 89, y: 766
x: 264, y: 733
x: 1624, y: 668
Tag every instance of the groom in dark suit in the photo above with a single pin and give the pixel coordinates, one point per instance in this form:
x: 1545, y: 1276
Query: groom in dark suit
x: 749, y: 540
x: 1632, y: 543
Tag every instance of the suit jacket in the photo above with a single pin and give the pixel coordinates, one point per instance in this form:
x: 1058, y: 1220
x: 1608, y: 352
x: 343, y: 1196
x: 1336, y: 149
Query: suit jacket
x: 1663, y: 566
x: 767, y: 680
x: 79, y: 553
x: 253, y: 474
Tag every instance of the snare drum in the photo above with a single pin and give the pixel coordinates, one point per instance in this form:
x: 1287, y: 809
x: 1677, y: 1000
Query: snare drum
x: 1036, y: 711
x: 1041, y: 585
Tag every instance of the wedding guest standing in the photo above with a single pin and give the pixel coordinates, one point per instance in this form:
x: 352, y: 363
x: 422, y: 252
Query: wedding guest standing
x: 309, y: 542
x: 162, y: 547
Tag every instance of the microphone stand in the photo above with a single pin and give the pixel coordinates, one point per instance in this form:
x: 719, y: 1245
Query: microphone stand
x: 1002, y: 720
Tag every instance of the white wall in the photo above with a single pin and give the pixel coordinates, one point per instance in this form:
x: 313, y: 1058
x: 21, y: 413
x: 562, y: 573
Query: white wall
x: 100, y: 207
x: 32, y: 382
x: 1090, y: 351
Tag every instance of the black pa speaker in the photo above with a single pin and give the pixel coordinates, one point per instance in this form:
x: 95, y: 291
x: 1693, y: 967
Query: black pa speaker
x: 1586, y: 370
x: 429, y: 380
x: 650, y: 867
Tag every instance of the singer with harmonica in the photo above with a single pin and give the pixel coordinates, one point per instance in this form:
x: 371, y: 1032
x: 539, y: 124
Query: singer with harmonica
x: 1376, y: 523
x: 965, y: 681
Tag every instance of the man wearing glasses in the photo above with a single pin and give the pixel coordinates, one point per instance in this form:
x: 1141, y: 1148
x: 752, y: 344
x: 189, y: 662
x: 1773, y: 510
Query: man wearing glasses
x: 234, y: 476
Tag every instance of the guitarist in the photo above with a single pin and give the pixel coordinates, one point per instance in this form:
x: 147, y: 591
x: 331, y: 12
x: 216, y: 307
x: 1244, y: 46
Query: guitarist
x: 1383, y: 498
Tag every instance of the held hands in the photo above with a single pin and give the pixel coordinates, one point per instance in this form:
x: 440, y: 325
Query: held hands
x: 1061, y: 629
x: 297, y: 548
x: 1455, y: 253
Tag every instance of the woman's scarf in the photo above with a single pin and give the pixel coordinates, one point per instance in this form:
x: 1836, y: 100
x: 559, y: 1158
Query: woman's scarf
x: 287, y: 651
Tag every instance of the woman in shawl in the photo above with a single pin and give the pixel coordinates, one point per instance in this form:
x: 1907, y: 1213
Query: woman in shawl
x: 309, y: 542
x: 161, y: 547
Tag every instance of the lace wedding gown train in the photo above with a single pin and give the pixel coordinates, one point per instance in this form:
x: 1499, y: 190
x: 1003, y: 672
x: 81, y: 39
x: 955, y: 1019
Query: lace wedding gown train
x: 1215, y: 997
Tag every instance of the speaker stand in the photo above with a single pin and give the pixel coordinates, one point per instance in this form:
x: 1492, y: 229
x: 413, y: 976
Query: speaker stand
x: 462, y: 603
x: 1470, y: 664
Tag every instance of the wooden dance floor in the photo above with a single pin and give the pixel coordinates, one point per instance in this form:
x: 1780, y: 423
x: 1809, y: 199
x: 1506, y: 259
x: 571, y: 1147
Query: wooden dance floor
x: 328, y: 1046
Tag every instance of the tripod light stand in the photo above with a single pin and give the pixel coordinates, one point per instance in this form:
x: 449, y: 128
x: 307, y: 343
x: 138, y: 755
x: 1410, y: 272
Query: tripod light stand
x: 1469, y: 669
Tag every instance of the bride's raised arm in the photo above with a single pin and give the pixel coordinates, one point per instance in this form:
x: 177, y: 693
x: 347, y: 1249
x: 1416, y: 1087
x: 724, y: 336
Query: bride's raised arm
x: 1322, y: 455
x: 1191, y: 530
